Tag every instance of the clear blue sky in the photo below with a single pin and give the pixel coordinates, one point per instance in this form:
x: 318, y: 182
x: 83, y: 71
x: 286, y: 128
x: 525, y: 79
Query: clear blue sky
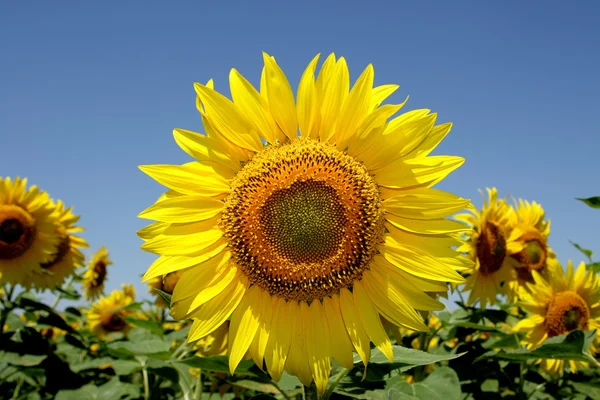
x: 91, y: 90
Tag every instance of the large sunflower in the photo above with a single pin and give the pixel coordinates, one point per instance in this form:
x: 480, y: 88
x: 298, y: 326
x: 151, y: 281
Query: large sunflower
x: 95, y: 275
x: 306, y: 238
x: 28, y: 230
x: 107, y: 315
x: 568, y: 302
x: 489, y: 242
x: 530, y: 249
x: 67, y: 256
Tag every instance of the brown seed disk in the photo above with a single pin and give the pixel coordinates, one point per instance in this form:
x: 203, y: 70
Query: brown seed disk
x: 303, y: 220
x: 17, y: 231
x: 566, y: 312
x: 491, y: 248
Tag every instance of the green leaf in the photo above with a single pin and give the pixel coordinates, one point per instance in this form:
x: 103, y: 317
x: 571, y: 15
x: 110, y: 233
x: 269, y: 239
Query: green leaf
x: 165, y: 296
x: 68, y: 294
x: 256, y: 386
x: 591, y: 390
x: 588, y: 253
x: 573, y: 346
x: 26, y: 360
x: 593, y: 202
x: 153, y: 326
x: 595, y: 266
x: 478, y: 327
x: 152, y: 348
x: 95, y: 363
x: 442, y: 384
x: 85, y: 392
x: 288, y: 382
x: 218, y: 364
x: 405, y: 358
x: 113, y: 389
x: 506, y: 342
x: 125, y: 367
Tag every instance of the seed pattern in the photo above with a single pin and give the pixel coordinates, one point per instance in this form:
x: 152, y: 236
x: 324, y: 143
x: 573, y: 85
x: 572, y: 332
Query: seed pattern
x: 17, y: 232
x: 566, y: 312
x: 303, y: 220
x: 491, y: 248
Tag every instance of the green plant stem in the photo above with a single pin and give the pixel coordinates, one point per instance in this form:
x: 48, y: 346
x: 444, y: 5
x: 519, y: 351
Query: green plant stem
x: 66, y: 287
x: 17, y: 389
x: 420, y: 371
x: 462, y: 299
x: 310, y: 392
x: 146, y: 382
x: 521, y: 379
x: 334, y: 384
x: 198, y: 388
x: 4, y: 311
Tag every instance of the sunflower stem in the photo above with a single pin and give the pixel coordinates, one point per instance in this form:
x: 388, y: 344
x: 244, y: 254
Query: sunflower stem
x: 146, y: 382
x: 66, y: 287
x: 310, y: 392
x: 198, y: 388
x: 521, y: 379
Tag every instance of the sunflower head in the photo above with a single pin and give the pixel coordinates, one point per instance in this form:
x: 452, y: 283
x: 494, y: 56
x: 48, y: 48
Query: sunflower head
x: 95, y: 275
x: 529, y: 246
x: 107, y: 314
x: 568, y: 302
x: 296, y: 212
x: 67, y: 256
x: 488, y: 244
x: 28, y: 230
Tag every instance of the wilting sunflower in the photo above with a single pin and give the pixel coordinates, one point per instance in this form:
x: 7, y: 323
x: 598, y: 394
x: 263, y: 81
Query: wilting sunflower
x: 163, y: 283
x: 568, y: 302
x: 530, y: 249
x: 28, y: 230
x: 95, y: 276
x: 306, y: 238
x: 107, y: 315
x: 489, y: 242
x: 67, y: 256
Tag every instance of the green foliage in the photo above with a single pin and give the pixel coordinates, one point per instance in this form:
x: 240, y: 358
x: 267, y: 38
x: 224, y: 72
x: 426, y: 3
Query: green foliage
x: 593, y: 202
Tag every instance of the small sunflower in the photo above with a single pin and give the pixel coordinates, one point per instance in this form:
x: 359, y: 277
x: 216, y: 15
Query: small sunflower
x: 28, y: 230
x: 107, y: 314
x: 488, y: 243
x: 67, y: 256
x: 163, y: 283
x: 306, y: 220
x: 95, y: 276
x: 568, y: 302
x: 530, y: 249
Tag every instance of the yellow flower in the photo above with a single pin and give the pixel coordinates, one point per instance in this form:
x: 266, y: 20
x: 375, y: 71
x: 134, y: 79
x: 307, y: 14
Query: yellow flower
x: 108, y: 314
x: 95, y: 276
x: 570, y: 301
x: 28, y: 230
x: 164, y: 283
x: 530, y: 250
x: 306, y: 220
x: 488, y: 244
x: 67, y: 256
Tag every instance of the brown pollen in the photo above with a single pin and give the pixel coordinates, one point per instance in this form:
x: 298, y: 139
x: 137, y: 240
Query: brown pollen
x: 491, y: 248
x: 566, y: 312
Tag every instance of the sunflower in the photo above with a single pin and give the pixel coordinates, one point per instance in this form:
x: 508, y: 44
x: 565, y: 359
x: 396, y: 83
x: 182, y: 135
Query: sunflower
x: 488, y: 244
x: 67, y: 256
x: 107, y: 315
x: 165, y: 284
x: 95, y: 276
x: 214, y: 344
x: 530, y: 249
x: 306, y: 238
x: 28, y: 226
x: 568, y: 302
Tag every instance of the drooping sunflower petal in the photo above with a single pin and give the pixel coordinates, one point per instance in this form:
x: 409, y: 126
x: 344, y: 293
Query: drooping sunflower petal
x: 244, y: 325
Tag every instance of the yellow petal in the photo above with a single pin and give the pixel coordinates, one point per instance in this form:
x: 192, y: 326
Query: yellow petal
x: 259, y: 345
x: 424, y: 203
x: 253, y: 105
x: 154, y: 229
x: 355, y: 330
x: 192, y: 178
x: 281, y: 98
x: 197, y: 237
x: 416, y: 262
x: 206, y: 150
x: 380, y: 93
x: 308, y: 100
x: 390, y: 302
x: 355, y: 107
x: 370, y: 320
x: 195, y: 280
x: 405, y: 174
x: 341, y: 346
x: 226, y: 117
x: 297, y: 361
x: 212, y: 314
x: 333, y: 84
x: 278, y: 345
x: 434, y: 137
x: 436, y: 226
x: 166, y: 264
x: 244, y: 324
x: 183, y: 209
x: 317, y: 343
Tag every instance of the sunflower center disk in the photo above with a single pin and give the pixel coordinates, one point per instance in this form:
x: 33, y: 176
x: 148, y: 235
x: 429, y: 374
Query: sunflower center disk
x: 491, y: 248
x: 533, y: 255
x: 17, y: 232
x: 114, y: 324
x: 566, y: 312
x: 303, y: 220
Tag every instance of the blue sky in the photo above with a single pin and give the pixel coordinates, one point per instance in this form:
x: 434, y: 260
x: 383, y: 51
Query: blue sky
x: 91, y: 90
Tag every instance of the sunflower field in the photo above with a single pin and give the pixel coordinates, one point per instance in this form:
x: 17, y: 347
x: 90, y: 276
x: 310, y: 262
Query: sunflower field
x: 302, y: 252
